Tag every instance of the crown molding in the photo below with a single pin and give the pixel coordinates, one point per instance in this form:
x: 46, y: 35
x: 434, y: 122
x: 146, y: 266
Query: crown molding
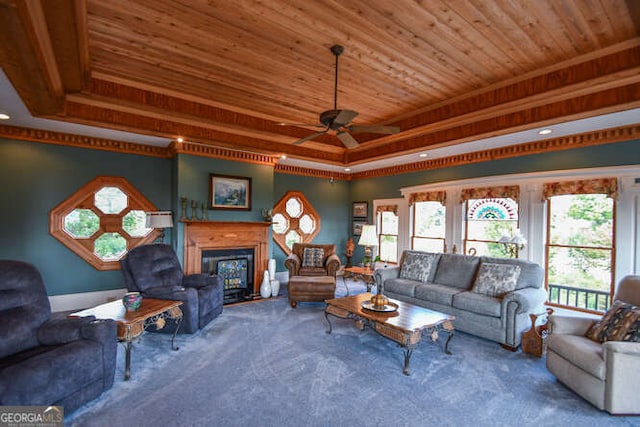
x: 605, y: 136
x: 81, y: 141
x: 204, y: 150
x: 317, y: 173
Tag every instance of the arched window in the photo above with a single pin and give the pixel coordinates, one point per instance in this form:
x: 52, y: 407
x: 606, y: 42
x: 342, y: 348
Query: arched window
x: 102, y: 221
x: 294, y: 221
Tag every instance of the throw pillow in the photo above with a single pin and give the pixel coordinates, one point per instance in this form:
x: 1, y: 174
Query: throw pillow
x: 620, y: 323
x: 312, y: 257
x: 417, y: 266
x: 496, y: 279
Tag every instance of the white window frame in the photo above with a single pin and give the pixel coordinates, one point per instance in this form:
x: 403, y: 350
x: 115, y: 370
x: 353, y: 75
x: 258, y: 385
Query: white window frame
x: 533, y: 211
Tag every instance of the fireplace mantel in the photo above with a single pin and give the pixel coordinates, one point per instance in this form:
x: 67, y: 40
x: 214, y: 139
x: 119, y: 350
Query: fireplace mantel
x: 215, y: 235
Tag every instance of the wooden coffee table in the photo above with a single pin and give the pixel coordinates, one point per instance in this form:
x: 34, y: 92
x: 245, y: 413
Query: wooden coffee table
x: 406, y: 326
x: 131, y: 324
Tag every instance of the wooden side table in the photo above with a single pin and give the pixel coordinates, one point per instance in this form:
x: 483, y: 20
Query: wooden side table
x: 131, y: 324
x: 360, y: 273
x: 533, y: 339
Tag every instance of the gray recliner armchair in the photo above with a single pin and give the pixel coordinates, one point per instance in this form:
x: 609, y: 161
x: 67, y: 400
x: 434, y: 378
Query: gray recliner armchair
x: 606, y: 374
x: 44, y: 361
x: 155, y: 272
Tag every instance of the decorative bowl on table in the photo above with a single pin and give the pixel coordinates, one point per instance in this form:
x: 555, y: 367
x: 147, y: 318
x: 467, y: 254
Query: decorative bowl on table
x: 132, y: 301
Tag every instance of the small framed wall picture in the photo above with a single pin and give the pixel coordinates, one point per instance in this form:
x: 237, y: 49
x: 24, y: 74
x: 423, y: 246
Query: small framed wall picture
x: 357, y: 227
x: 229, y: 192
x: 360, y: 209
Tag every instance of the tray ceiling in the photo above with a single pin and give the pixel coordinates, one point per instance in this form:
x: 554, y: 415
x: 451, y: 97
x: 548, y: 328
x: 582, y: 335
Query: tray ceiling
x: 227, y: 74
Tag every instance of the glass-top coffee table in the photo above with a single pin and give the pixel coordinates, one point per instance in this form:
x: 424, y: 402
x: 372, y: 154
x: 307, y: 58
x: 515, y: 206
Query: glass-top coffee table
x: 406, y: 325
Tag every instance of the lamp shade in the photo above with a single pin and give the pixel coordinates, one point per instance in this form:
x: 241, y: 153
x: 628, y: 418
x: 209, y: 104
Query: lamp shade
x: 159, y: 219
x: 368, y: 236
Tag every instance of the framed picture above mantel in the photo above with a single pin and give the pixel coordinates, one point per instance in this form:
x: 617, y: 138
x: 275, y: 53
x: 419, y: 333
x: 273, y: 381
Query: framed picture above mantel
x: 229, y: 192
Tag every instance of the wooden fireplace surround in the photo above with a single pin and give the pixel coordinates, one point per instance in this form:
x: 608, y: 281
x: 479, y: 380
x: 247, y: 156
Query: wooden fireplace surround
x: 216, y: 235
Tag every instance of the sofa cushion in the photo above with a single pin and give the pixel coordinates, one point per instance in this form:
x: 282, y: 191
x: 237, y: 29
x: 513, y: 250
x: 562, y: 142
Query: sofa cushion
x: 456, y: 270
x: 313, y: 257
x: 477, y: 303
x: 531, y: 274
x: 495, y: 280
x: 401, y: 286
x: 620, y: 323
x: 417, y: 266
x: 440, y: 294
x: 582, y: 352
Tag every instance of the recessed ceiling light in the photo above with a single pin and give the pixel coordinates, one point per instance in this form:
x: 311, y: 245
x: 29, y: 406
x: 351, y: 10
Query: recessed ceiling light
x: 180, y: 139
x: 545, y: 131
x: 4, y: 116
x: 347, y: 169
x: 283, y: 156
x: 423, y: 154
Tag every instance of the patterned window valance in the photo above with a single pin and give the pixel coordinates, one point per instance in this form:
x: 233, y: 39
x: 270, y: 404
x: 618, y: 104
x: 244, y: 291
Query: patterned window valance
x: 507, y: 191
x: 608, y: 186
x: 387, y: 208
x: 428, y: 196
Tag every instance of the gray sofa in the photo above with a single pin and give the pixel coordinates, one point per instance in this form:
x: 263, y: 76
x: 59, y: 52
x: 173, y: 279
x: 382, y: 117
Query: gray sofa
x: 490, y: 297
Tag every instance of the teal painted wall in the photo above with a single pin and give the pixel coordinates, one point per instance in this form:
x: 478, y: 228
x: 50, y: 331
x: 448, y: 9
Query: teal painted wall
x: 192, y: 182
x: 330, y: 201
x: 619, y: 154
x: 37, y: 177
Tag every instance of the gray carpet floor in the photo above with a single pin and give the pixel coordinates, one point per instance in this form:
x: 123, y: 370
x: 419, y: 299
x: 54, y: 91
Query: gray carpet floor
x: 266, y: 364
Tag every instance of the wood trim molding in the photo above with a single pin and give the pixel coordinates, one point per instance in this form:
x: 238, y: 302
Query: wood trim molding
x: 605, y: 136
x: 81, y: 141
x: 204, y: 150
x: 317, y: 173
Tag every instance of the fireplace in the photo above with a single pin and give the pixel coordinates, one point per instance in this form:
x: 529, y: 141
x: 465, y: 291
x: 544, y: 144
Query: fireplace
x: 235, y: 267
x: 223, y: 238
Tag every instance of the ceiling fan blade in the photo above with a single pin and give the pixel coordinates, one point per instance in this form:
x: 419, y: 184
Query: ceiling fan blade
x: 344, y: 117
x: 374, y: 129
x: 347, y: 140
x: 308, y: 137
x: 314, y: 125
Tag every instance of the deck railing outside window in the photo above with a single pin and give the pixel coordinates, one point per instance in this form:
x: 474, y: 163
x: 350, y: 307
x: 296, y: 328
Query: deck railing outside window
x: 588, y: 299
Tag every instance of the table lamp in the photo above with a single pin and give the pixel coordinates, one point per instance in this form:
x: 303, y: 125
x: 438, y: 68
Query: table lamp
x: 161, y: 220
x: 368, y: 238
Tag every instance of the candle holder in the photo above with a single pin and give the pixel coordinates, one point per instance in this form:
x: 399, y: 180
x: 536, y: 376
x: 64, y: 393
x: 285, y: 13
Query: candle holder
x: 204, y: 211
x: 183, y: 202
x: 194, y: 210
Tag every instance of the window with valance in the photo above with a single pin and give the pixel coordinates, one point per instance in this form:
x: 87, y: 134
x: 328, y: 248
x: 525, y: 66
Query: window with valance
x: 491, y: 214
x: 580, y: 242
x: 429, y: 220
x: 387, y: 220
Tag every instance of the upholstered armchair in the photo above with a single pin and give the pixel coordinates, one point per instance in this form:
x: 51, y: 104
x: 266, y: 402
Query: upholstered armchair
x: 307, y: 259
x: 155, y: 272
x: 45, y: 361
x: 606, y: 373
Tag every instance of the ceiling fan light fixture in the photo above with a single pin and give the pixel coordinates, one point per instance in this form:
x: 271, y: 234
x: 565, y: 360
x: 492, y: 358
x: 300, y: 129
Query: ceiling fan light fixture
x: 339, y: 121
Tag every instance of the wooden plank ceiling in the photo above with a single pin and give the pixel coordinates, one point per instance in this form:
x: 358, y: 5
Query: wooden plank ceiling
x: 227, y: 73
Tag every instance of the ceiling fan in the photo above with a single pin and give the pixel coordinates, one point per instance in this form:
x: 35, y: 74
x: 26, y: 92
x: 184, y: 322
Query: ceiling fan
x: 339, y: 120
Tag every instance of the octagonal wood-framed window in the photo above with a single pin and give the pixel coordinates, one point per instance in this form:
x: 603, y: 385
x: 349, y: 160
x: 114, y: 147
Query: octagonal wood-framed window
x: 294, y: 221
x: 102, y: 221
